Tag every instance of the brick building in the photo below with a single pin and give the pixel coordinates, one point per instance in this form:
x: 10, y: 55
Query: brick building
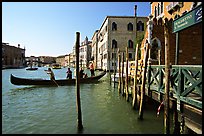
x: 189, y: 51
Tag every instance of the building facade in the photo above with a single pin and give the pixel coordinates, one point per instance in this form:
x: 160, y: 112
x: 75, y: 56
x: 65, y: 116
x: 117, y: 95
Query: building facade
x: 118, y: 32
x: 46, y: 60
x: 73, y: 57
x: 33, y: 61
x: 12, y: 57
x: 85, y: 50
x: 94, y: 53
x: 67, y: 60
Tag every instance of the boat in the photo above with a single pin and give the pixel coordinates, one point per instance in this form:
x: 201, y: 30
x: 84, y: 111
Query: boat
x: 32, y: 68
x: 56, y: 66
x: 61, y: 82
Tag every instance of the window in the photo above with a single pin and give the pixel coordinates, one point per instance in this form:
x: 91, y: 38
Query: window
x: 154, y: 50
x: 155, y: 11
x: 158, y: 11
x: 105, y: 56
x: 113, y: 55
x: 176, y: 16
x: 130, y: 55
x: 130, y: 27
x: 130, y: 44
x: 161, y: 7
x: 140, y: 26
x: 114, y: 26
x: 114, y: 43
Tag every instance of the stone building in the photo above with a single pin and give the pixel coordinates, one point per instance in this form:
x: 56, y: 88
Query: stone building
x: 67, y: 60
x: 60, y: 60
x: 85, y: 53
x: 118, y: 32
x: 188, y: 50
x: 46, y: 60
x: 32, y: 61
x: 94, y: 53
x: 73, y: 57
x: 12, y: 57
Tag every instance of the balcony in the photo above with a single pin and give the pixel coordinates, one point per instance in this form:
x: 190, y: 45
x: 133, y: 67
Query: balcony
x: 173, y: 6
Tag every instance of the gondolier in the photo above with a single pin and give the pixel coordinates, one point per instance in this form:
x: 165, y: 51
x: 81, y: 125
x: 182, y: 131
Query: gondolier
x: 51, y: 73
x: 69, y: 73
x: 91, y: 67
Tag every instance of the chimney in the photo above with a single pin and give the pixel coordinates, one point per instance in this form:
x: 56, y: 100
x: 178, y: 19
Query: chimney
x: 135, y: 10
x: 18, y: 45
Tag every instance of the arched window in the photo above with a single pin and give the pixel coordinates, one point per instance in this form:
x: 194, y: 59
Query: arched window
x: 114, y: 44
x: 113, y: 55
x: 130, y: 27
x: 140, y: 26
x: 114, y: 26
x: 161, y: 7
x: 155, y: 11
x: 158, y: 11
x: 130, y: 44
x: 176, y: 16
x: 130, y: 55
x: 156, y: 45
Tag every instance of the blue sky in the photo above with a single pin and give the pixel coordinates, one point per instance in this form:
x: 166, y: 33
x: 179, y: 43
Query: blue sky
x: 49, y: 28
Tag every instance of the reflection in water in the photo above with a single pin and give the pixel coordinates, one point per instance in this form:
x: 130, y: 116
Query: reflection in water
x: 40, y: 110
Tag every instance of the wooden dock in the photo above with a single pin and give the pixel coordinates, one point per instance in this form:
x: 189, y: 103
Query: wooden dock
x: 185, y: 93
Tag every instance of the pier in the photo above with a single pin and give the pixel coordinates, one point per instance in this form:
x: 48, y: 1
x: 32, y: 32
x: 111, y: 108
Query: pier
x: 185, y: 93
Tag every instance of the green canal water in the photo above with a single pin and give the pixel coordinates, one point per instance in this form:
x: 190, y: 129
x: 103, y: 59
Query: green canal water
x: 51, y: 110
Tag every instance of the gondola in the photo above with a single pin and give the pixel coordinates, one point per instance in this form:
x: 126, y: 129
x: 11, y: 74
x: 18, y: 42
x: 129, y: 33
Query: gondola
x: 26, y: 81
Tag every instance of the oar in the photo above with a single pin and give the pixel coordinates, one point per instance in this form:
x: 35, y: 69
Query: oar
x: 55, y: 82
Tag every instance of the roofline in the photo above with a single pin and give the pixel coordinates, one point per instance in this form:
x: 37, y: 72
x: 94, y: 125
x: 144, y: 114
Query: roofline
x: 119, y: 17
x: 94, y: 34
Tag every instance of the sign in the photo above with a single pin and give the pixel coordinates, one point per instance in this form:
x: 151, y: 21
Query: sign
x: 189, y: 19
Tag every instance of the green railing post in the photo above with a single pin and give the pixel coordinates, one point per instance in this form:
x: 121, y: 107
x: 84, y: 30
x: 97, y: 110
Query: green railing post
x: 149, y: 80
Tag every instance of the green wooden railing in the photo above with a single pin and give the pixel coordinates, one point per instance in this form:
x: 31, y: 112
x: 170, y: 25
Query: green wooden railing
x: 185, y: 82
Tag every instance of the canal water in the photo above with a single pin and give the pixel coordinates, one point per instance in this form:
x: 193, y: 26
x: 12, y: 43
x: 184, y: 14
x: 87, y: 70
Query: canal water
x: 51, y: 110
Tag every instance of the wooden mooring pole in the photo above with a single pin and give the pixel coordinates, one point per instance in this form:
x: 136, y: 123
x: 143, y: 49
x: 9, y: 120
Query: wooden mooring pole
x: 142, y: 94
x: 167, y: 76
x: 134, y: 101
x: 114, y: 67
x: 122, y: 72
x: 126, y: 87
x: 119, y: 72
x: 78, y: 104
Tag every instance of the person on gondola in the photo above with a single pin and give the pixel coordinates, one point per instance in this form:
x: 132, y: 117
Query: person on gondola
x: 81, y: 73
x: 69, y: 73
x: 91, y: 67
x: 51, y: 73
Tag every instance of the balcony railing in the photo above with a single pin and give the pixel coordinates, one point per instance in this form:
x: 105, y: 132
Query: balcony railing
x: 173, y: 6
